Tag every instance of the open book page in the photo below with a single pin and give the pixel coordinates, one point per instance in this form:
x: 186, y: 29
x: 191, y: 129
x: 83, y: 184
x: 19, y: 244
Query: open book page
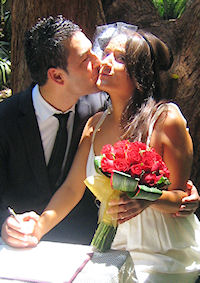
x: 48, y: 262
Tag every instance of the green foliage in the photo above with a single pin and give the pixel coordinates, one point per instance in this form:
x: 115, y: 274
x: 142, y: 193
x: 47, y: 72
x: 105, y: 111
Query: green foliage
x: 170, y: 9
x: 5, y: 36
x: 5, y: 64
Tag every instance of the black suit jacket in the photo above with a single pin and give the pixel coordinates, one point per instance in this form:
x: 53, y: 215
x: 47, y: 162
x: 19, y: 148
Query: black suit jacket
x: 24, y: 183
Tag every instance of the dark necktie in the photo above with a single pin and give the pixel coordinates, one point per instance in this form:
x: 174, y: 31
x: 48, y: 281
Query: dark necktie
x: 57, y: 156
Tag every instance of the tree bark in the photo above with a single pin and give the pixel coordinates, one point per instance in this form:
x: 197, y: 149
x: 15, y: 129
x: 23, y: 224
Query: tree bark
x: 186, y: 65
x: 136, y: 12
x: 86, y: 13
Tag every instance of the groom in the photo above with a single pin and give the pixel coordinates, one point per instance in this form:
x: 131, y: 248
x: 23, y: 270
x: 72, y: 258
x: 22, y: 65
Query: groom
x: 63, y: 69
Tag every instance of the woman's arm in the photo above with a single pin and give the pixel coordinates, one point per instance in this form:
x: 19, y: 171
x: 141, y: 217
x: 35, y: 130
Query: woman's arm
x: 177, y: 152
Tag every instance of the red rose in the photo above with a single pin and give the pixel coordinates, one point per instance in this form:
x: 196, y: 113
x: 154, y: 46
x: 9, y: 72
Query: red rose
x: 120, y: 148
x: 133, y: 157
x: 107, y: 165
x: 108, y: 151
x: 164, y: 171
x: 150, y: 179
x: 147, y: 160
x: 157, y: 156
x: 157, y: 166
x: 121, y: 164
x: 136, y: 170
x: 122, y: 144
x: 119, y: 153
x: 138, y: 146
x: 160, y: 168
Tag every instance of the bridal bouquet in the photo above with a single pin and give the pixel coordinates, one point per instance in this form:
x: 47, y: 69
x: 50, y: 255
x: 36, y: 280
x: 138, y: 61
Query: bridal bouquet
x: 129, y: 167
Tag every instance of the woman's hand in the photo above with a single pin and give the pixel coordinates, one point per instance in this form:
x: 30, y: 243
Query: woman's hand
x: 19, y: 232
x: 126, y: 208
x: 190, y: 203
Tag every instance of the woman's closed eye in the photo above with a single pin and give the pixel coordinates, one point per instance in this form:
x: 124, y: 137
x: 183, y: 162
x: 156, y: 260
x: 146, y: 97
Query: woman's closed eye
x: 118, y: 56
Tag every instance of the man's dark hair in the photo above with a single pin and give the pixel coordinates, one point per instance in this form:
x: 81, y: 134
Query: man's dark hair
x: 45, y: 46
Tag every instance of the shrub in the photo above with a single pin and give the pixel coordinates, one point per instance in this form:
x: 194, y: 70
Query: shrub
x: 170, y: 9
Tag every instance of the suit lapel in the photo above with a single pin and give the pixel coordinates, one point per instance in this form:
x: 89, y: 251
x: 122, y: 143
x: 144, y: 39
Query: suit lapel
x: 32, y: 139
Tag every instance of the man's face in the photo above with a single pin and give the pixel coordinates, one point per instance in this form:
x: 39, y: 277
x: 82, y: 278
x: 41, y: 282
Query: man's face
x: 82, y: 67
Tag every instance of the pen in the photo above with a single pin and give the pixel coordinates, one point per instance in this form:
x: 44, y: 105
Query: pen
x: 13, y: 214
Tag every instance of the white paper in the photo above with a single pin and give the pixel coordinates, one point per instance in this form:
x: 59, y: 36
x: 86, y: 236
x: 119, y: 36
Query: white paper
x: 48, y: 262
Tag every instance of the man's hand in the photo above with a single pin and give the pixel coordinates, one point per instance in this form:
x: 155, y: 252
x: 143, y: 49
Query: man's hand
x: 190, y: 203
x: 125, y: 208
x: 19, y: 232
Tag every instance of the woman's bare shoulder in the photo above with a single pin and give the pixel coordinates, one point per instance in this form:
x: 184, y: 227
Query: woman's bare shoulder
x: 174, y: 116
x: 175, y: 128
x: 91, y: 124
x: 171, y: 119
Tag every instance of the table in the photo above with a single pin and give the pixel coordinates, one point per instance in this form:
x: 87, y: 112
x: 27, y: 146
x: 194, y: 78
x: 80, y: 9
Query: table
x: 57, y: 262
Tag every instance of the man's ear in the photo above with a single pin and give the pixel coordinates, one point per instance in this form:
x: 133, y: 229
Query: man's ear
x: 56, y: 75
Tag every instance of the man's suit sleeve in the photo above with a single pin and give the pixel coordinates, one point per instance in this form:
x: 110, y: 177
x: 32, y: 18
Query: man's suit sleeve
x: 98, y: 102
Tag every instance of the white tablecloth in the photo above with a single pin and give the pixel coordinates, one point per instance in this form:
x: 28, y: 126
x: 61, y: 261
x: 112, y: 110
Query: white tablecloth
x: 57, y: 262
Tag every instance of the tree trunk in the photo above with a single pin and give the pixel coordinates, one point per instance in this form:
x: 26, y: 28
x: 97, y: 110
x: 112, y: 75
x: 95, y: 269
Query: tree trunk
x: 186, y: 65
x: 136, y: 12
x: 86, y: 13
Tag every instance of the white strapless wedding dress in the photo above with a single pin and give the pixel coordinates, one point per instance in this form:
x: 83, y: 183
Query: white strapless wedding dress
x: 164, y: 249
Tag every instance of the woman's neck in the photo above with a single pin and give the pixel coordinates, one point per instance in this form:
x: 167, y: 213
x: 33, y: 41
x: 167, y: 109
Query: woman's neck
x: 118, y: 106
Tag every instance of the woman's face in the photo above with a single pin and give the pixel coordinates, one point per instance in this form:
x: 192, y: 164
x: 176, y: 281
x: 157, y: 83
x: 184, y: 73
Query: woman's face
x: 113, y: 77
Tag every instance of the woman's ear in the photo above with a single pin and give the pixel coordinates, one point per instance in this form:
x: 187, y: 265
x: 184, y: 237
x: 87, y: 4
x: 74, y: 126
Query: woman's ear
x: 56, y: 75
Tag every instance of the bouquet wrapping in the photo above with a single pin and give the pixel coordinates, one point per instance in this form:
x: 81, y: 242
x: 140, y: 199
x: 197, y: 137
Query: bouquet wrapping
x: 129, y: 167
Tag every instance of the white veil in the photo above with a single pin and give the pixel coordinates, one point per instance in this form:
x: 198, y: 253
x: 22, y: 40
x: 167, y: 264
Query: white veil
x: 104, y: 33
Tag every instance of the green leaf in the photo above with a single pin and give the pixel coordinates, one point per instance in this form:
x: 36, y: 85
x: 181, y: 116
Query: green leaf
x: 3, y: 72
x: 124, y: 182
x: 147, y: 193
x: 163, y: 181
x: 97, y: 163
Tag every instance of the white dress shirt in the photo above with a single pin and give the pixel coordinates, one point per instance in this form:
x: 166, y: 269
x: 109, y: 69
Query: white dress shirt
x: 48, y: 124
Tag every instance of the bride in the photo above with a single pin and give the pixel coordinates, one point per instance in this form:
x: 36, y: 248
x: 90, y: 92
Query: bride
x: 164, y: 248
